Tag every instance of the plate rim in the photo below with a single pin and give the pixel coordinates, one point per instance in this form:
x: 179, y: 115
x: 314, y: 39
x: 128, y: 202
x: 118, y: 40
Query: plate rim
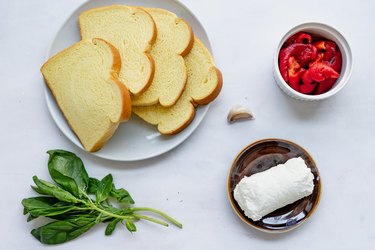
x: 69, y: 133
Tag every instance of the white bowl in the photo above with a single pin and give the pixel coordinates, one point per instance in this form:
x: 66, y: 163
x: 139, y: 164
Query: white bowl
x: 323, y: 30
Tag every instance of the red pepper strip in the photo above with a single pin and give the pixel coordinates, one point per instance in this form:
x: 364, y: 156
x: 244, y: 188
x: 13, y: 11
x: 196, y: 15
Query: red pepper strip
x: 307, y: 88
x: 336, y: 61
x: 325, y: 85
x: 295, y: 73
x: 303, y: 53
x: 330, y: 55
x: 318, y: 72
x: 299, y: 37
x: 327, y: 47
x: 319, y: 58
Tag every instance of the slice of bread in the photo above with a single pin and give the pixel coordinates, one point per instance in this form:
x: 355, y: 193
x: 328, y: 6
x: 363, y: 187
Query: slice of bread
x: 174, y: 40
x: 132, y: 31
x: 84, y: 82
x: 203, y: 86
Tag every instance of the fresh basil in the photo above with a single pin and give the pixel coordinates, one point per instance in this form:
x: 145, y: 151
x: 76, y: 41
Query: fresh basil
x: 93, y: 185
x: 71, y: 205
x: 130, y: 226
x: 121, y: 195
x: 111, y: 226
x: 62, y: 231
x: 104, y: 188
x: 48, y: 188
x: 67, y: 170
x: 45, y: 206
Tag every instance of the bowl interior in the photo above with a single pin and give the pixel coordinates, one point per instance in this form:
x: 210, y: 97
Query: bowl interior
x: 328, y: 32
x: 263, y: 155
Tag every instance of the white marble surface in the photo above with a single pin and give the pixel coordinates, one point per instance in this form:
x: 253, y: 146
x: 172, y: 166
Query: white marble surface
x: 190, y: 181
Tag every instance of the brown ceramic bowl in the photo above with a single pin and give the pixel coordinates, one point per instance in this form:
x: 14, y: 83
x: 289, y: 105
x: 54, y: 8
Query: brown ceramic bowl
x: 260, y: 156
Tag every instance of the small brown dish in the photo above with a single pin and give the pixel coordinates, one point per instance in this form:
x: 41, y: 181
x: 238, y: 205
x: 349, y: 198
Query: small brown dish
x: 260, y: 156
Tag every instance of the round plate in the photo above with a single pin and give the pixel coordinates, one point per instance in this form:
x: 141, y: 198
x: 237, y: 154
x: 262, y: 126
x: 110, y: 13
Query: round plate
x: 133, y: 140
x: 265, y: 154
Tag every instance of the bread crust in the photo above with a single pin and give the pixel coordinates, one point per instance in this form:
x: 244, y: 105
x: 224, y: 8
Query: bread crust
x: 212, y: 96
x: 183, y: 126
x: 148, y: 55
x: 182, y: 53
x: 126, y: 100
x: 187, y: 49
x: 150, y: 77
x: 192, y: 102
x: 113, y: 75
x: 150, y: 42
x: 191, y: 42
x: 115, y: 70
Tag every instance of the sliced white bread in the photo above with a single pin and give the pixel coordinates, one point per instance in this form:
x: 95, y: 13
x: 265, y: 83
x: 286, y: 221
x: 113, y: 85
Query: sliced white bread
x: 203, y: 86
x: 84, y: 82
x: 132, y: 31
x: 174, y: 40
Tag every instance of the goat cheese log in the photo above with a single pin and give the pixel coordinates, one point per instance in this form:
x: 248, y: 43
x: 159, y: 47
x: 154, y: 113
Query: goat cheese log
x: 267, y: 191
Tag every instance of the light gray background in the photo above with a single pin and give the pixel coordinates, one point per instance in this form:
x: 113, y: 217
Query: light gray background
x: 190, y: 182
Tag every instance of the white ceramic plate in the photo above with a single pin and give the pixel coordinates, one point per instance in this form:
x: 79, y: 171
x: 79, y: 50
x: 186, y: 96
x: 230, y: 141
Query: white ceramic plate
x: 133, y: 140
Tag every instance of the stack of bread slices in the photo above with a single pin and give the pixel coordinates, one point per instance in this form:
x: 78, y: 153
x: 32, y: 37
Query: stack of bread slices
x: 145, y: 60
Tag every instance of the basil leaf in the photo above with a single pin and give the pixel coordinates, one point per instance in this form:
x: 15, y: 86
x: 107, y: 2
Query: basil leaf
x: 121, y: 195
x: 67, y: 170
x: 111, y: 226
x: 31, y: 217
x: 38, y: 190
x: 130, y: 226
x: 93, y: 185
x: 44, y: 206
x: 104, y: 188
x: 50, y: 189
x: 62, y: 231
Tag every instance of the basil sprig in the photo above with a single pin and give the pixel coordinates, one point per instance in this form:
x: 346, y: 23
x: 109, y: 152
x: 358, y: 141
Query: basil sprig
x: 70, y: 204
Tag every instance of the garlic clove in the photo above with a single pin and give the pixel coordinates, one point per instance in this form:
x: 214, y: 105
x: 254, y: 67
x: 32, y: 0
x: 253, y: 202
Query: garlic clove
x: 239, y: 113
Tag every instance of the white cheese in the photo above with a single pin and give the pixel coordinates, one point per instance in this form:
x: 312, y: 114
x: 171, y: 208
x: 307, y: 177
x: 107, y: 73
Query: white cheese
x: 264, y: 192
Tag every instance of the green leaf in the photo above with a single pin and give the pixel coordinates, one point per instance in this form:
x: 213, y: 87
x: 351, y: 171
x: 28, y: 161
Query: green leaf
x: 111, y: 226
x: 50, y: 189
x: 104, y: 188
x: 38, y: 190
x: 44, y: 206
x: 93, y: 185
x: 121, y: 195
x: 67, y: 170
x: 31, y: 217
x: 62, y: 231
x: 130, y: 226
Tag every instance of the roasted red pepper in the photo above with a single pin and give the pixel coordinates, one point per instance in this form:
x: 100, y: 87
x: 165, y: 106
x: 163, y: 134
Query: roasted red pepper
x: 331, y: 56
x: 299, y: 37
x: 303, y: 53
x: 317, y: 73
x: 295, y: 73
x: 309, y: 64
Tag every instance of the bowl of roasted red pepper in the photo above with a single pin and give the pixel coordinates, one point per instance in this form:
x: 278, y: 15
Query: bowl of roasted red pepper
x: 313, y: 61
